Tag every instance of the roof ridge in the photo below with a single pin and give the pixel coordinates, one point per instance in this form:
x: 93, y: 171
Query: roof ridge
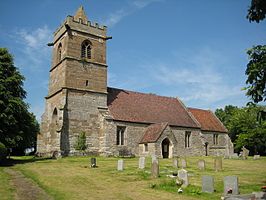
x: 151, y: 94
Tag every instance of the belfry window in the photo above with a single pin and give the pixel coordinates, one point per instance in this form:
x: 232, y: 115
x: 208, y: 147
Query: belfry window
x: 187, y: 139
x: 86, y: 49
x: 59, y: 52
x: 120, y: 135
x: 215, y: 139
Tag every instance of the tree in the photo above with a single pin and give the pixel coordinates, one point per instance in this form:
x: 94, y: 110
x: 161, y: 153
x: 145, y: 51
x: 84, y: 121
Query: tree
x: 257, y: 10
x: 256, y: 72
x: 256, y: 68
x: 18, y: 127
x: 245, y: 129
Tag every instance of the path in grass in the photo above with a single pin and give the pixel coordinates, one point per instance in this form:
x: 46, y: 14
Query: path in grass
x: 25, y: 188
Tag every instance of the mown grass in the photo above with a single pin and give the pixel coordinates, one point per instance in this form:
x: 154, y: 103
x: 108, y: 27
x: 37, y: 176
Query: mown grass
x: 72, y: 178
x: 6, y: 189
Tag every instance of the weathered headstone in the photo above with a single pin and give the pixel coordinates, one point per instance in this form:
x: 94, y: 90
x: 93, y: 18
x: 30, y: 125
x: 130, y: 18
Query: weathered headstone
x: 183, y: 175
x: 120, y: 165
x: 183, y: 163
x: 245, y: 153
x: 231, y: 185
x: 175, y: 162
x: 155, y: 169
x: 201, y: 164
x: 93, y: 162
x: 141, y: 162
x: 207, y: 184
x: 218, y: 164
x: 256, y: 157
x: 234, y: 156
x: 153, y: 158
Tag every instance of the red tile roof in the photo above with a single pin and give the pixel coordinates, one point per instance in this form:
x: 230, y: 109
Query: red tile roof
x: 153, y: 132
x: 148, y: 108
x: 208, y: 120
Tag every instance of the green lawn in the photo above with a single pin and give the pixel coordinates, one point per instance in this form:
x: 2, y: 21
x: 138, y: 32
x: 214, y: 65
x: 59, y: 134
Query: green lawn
x: 72, y: 178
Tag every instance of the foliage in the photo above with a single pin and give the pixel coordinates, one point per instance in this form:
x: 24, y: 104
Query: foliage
x: 244, y: 127
x: 18, y: 126
x: 81, y: 142
x: 257, y: 10
x: 3, y: 151
x: 256, y: 72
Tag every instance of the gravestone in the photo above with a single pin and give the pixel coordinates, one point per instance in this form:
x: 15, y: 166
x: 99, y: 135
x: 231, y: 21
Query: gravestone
x: 183, y: 163
x: 120, y: 165
x: 155, y: 169
x: 234, y: 156
x: 93, y: 162
x: 207, y: 184
x: 201, y: 164
x: 175, y: 163
x: 231, y: 185
x: 183, y: 175
x: 245, y: 153
x: 256, y: 157
x: 153, y: 158
x: 218, y: 164
x: 141, y: 162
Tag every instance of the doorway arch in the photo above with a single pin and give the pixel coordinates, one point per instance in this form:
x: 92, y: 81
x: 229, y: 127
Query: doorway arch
x: 166, y: 148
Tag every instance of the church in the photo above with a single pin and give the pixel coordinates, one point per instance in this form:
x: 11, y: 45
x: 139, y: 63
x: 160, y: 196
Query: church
x: 116, y: 122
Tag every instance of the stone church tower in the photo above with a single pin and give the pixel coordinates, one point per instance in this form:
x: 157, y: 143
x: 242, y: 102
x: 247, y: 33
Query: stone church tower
x: 77, y: 86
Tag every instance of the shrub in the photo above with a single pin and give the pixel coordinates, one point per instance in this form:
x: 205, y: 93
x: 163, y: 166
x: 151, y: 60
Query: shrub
x: 3, y: 151
x: 81, y: 142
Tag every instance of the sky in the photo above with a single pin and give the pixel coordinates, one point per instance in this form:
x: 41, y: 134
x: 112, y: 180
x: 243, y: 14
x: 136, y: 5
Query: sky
x: 190, y: 49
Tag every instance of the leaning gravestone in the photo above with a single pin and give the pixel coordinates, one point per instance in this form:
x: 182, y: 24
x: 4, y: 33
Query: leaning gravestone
x: 120, y: 165
x: 207, y: 184
x: 245, y: 153
x: 155, y: 169
x: 231, y: 185
x: 141, y: 162
x: 218, y: 164
x: 93, y: 162
x: 183, y: 175
x: 175, y: 163
x: 201, y: 164
x: 183, y: 163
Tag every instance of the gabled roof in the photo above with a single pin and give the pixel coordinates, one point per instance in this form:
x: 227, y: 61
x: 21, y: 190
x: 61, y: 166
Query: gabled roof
x: 153, y: 132
x: 147, y: 108
x: 208, y: 120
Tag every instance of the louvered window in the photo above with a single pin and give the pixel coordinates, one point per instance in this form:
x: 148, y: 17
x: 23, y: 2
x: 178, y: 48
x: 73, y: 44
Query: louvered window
x: 86, y: 50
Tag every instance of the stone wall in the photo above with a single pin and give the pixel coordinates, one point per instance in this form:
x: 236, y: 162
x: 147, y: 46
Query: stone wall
x: 83, y: 116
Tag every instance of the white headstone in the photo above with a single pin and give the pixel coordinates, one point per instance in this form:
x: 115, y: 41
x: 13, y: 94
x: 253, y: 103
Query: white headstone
x: 183, y: 175
x: 120, y: 165
x: 141, y: 162
x: 256, y: 157
x: 153, y: 158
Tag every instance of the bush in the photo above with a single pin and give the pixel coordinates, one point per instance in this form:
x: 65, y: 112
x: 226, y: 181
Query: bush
x: 3, y: 151
x: 80, y: 144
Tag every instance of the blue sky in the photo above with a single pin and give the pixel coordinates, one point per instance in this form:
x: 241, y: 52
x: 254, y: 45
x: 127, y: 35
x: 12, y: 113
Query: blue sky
x: 195, y: 50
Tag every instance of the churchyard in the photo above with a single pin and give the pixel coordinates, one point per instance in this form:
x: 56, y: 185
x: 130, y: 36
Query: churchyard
x: 125, y: 178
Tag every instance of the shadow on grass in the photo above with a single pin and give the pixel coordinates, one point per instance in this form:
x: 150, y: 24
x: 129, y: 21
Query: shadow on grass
x: 16, y: 161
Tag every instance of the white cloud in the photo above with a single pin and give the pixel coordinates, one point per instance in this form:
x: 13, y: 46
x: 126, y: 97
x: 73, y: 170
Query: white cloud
x: 33, y: 47
x: 128, y: 9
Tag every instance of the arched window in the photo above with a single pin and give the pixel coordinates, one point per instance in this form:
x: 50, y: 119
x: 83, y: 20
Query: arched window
x: 59, y: 52
x: 54, y: 117
x: 86, y: 49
